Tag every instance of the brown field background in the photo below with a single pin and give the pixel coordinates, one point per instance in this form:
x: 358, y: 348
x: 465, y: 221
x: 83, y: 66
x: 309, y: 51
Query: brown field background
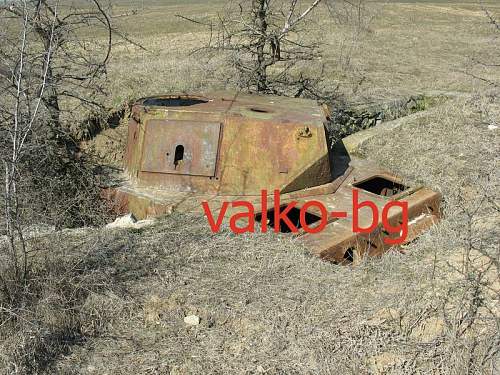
x: 267, y: 306
x: 404, y: 47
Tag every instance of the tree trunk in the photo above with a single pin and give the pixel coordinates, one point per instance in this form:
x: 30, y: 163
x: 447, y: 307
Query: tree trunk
x: 260, y: 10
x: 51, y: 97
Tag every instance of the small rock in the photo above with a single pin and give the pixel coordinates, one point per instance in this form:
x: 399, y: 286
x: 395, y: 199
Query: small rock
x: 129, y: 221
x: 126, y: 221
x: 192, y: 320
x: 492, y: 127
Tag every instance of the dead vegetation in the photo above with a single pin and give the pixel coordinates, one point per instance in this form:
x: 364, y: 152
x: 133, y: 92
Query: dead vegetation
x: 268, y: 44
x: 113, y: 301
x: 266, y: 305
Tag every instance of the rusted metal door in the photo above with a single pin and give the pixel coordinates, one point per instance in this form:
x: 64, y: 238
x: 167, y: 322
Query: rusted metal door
x: 181, y: 147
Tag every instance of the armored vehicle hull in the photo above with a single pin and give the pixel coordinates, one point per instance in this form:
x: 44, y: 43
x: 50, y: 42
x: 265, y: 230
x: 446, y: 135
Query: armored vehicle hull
x: 203, y: 153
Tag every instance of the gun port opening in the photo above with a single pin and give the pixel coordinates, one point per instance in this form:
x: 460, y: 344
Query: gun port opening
x: 294, y: 217
x: 179, y: 155
x: 381, y: 186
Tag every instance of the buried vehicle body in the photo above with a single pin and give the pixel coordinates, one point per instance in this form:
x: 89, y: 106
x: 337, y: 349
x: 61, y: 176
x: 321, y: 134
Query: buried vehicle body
x: 193, y: 153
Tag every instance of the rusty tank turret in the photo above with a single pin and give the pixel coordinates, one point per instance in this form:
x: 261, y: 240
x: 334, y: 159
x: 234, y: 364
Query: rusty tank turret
x: 183, y: 150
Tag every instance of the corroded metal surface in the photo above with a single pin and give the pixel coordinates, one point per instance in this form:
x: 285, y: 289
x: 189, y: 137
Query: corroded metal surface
x: 262, y: 143
x: 184, y: 150
x: 181, y: 147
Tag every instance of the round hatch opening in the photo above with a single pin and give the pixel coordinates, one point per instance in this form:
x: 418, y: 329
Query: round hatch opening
x: 174, y: 101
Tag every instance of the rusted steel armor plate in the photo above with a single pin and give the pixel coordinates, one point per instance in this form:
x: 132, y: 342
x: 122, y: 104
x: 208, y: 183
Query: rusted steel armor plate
x: 183, y: 150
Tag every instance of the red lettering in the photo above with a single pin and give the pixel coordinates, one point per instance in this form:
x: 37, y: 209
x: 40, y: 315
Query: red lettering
x: 402, y: 229
x: 282, y: 215
x: 338, y: 214
x: 215, y: 227
x: 263, y: 207
x: 249, y: 215
x: 324, y: 215
x: 355, y: 213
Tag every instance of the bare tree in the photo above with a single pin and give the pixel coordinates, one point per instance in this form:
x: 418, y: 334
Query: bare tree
x: 74, y: 73
x: 49, y: 69
x: 469, y: 305
x: 266, y: 41
x: 480, y: 69
x: 22, y: 118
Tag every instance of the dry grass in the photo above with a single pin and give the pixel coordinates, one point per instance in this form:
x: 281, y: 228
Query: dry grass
x: 266, y: 305
x: 402, y: 49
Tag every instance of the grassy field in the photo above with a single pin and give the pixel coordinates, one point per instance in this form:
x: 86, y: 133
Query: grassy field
x: 267, y: 306
x: 401, y: 48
